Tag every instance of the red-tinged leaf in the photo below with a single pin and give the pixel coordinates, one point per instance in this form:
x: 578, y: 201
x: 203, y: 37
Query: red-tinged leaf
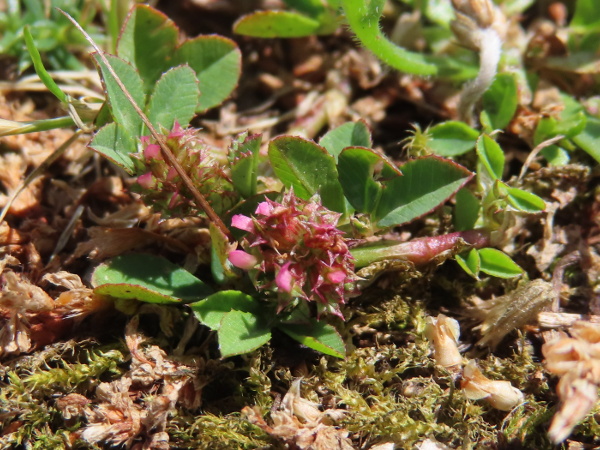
x: 147, y: 42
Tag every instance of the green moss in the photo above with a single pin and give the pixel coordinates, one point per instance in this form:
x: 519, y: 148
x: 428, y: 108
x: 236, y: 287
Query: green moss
x: 209, y: 431
x: 28, y: 391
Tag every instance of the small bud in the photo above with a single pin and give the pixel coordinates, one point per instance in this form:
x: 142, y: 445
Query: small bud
x: 337, y: 276
x: 499, y: 394
x: 171, y: 174
x: 241, y: 259
x: 147, y: 180
x: 152, y: 151
x: 443, y: 332
x: 283, y: 279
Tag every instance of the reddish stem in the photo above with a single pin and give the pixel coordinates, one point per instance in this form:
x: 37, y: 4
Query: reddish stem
x: 420, y: 251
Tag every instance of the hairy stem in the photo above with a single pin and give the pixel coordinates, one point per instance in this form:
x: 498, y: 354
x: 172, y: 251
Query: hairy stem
x: 363, y: 19
x: 489, y: 57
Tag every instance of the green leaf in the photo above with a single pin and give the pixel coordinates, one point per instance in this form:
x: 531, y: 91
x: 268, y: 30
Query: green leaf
x: 350, y: 134
x: 243, y: 155
x: 500, y: 101
x: 466, y: 210
x: 555, y: 155
x: 571, y: 121
x: 308, y: 168
x: 524, y: 201
x: 317, y: 335
x: 356, y: 167
x: 498, y: 264
x: 147, y: 278
x: 242, y: 332
x: 148, y: 41
x: 114, y: 143
x: 213, y: 308
x: 586, y: 17
x: 179, y: 83
x: 452, y: 138
x: 120, y: 107
x: 471, y: 263
x: 426, y: 184
x: 589, y: 138
x: 277, y: 24
x: 490, y: 156
x: 217, y: 62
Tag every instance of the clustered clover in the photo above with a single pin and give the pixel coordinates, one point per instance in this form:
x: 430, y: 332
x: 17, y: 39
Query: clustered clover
x: 295, y: 250
x: 160, y: 184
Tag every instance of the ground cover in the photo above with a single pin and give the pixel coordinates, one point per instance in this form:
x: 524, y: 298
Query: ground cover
x: 300, y: 224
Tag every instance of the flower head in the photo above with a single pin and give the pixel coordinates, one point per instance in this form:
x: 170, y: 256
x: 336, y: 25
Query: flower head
x: 299, y: 251
x: 161, y: 185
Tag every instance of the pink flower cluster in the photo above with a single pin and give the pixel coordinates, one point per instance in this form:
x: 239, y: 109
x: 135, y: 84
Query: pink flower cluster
x: 162, y: 187
x: 294, y: 249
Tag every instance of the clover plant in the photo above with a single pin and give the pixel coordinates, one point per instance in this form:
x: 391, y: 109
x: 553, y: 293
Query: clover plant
x: 290, y: 259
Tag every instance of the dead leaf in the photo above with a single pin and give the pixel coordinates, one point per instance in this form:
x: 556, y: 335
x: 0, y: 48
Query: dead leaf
x: 300, y: 422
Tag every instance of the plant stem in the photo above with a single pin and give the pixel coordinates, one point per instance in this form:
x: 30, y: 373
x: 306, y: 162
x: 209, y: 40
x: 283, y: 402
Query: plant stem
x: 419, y: 251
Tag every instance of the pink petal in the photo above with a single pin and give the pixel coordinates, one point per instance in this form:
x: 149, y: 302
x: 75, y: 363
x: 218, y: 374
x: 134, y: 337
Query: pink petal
x: 177, y: 131
x: 336, y: 277
x: 146, y: 180
x: 283, y: 279
x: 241, y: 259
x: 242, y: 222
x: 264, y: 208
x: 152, y: 151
